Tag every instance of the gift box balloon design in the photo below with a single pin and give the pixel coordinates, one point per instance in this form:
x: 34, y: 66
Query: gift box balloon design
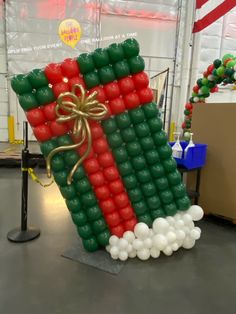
x: 103, y: 141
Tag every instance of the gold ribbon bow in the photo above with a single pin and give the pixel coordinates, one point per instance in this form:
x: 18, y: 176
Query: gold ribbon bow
x: 79, y: 109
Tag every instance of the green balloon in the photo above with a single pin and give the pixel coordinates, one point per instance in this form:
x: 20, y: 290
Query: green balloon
x: 48, y: 146
x: 217, y: 63
x: 142, y: 129
x: 170, y: 209
x: 140, y: 207
x: 220, y: 71
x: 150, y: 110
x: 57, y: 163
x: 230, y: 64
x: 160, y: 138
x: 165, y: 151
x: 153, y: 202
x: 64, y: 140
x: 227, y: 56
x: 157, y: 170
x: 109, y: 125
x: 86, y: 63
x: 205, y: 90
x: 166, y: 197
x: 161, y: 183
x: 147, y: 143
x: 146, y: 218
x: 138, y: 162
x: 121, y: 69
x: 157, y: 213
x: 137, y: 115
x: 199, y: 82
x: 123, y: 120
x: 103, y: 238
x: 148, y: 189
x: 88, y: 199
x: 60, y: 177
x: 68, y: 191
x: 116, y: 52
x: 174, y: 178
x: 135, y: 194
x: 100, y: 57
x: 20, y: 84
x: 85, y: 231
x: 130, y: 181
x: 205, y: 81
x: 79, y: 218
x: 71, y: 158
x: 90, y: 244
x: 74, y: 205
x: 83, y: 185
x: 93, y: 213
x: 99, y: 225
x: 152, y: 157
x: 143, y: 176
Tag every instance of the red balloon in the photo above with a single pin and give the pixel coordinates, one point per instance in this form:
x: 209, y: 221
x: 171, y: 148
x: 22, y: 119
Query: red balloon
x: 210, y: 68
x: 111, y: 90
x: 82, y: 149
x: 70, y: 68
x: 121, y: 200
x: 111, y: 173
x: 205, y: 74
x: 106, y: 159
x: 116, y: 186
x: 117, y: 105
x: 113, y: 219
x: 118, y: 230
x: 58, y: 129
x: 101, y: 96
x: 196, y: 88
x: 130, y: 224
x: 140, y: 80
x: 126, y: 212
x: 60, y: 88
x: 49, y: 111
x: 42, y: 132
x: 145, y: 95
x: 96, y: 130
x: 36, y: 116
x: 100, y: 145
x: 183, y: 125
x: 214, y: 89
x: 97, y: 178
x: 76, y: 80
x: 91, y: 165
x: 102, y: 192
x: 107, y: 206
x: 189, y: 106
x: 131, y: 100
x: 53, y: 73
x: 126, y: 85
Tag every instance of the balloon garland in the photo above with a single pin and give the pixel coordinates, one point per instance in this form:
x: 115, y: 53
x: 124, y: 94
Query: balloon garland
x: 219, y: 72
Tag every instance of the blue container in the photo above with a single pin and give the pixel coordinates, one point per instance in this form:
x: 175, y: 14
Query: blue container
x: 195, y: 158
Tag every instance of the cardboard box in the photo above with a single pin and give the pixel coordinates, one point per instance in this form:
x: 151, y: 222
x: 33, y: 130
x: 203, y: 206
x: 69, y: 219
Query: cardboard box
x: 214, y: 124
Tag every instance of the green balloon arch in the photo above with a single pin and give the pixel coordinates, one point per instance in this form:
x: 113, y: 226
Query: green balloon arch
x: 219, y: 72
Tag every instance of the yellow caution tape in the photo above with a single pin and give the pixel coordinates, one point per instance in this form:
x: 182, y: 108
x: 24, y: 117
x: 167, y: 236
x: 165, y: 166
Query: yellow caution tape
x: 18, y: 142
x: 35, y: 178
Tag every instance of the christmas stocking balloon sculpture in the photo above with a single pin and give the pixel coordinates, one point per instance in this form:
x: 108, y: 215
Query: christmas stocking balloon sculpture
x: 103, y: 142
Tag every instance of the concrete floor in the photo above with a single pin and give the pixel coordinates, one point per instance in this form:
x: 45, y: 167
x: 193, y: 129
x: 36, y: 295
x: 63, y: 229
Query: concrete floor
x: 34, y: 278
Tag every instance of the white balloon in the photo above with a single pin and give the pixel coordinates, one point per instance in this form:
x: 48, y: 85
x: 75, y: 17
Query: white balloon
x: 186, y: 230
x: 137, y: 244
x: 170, y: 220
x: 160, y: 225
x: 151, y: 233
x: 177, y: 216
x: 168, y: 251
x: 180, y: 234
x: 179, y: 224
x: 143, y: 254
x: 114, y: 256
x: 147, y: 243
x: 196, y: 212
x: 141, y: 230
x: 174, y: 246
x: 129, y: 236
x: 129, y: 248
x: 113, y: 240
x: 114, y: 251
x: 171, y: 236
x: 123, y: 255
x: 187, y: 218
x: 108, y: 248
x: 133, y: 254
x: 195, y: 234
x: 171, y: 228
x: 159, y: 241
x: 188, y: 243
x: 190, y: 225
x: 154, y: 252
x: 122, y: 244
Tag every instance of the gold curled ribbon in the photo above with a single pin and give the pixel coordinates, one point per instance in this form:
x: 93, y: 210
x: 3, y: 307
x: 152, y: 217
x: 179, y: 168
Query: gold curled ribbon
x: 35, y: 178
x: 80, y: 109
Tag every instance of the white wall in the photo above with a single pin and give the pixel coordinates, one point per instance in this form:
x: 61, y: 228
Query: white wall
x: 3, y: 82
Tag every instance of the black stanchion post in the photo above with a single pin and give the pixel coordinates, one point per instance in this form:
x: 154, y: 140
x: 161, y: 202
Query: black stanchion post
x: 24, y: 233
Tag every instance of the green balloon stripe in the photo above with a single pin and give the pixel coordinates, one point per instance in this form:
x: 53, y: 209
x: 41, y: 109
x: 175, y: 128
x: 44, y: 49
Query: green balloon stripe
x: 80, y: 198
x: 172, y: 191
